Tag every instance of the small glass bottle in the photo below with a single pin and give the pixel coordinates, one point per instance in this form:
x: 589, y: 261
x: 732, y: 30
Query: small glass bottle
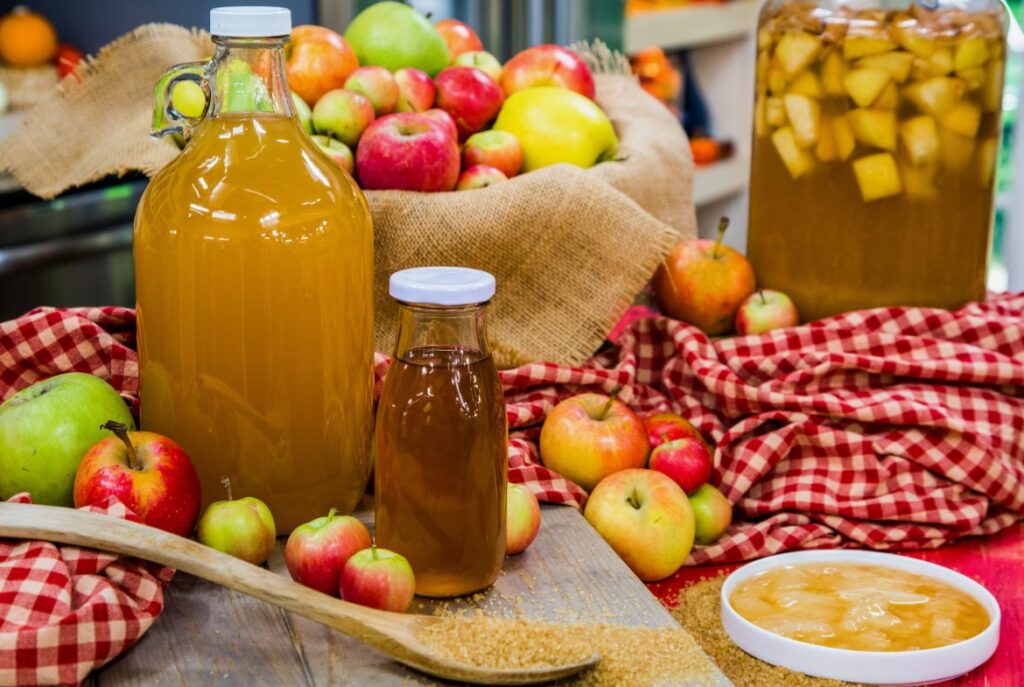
x: 442, y: 435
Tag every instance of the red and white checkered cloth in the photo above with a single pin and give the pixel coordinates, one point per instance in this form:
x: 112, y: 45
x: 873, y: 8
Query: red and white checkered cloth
x: 66, y: 610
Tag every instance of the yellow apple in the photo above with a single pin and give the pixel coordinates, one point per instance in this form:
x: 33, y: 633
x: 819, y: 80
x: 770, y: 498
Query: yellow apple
x: 557, y: 125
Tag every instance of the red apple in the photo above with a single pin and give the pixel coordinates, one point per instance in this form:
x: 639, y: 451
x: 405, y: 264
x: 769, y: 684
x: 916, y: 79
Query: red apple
x: 703, y: 282
x: 415, y: 90
x: 498, y: 149
x: 484, y: 61
x: 712, y: 514
x: 479, y: 176
x: 377, y: 85
x: 686, y: 461
x: 378, y: 578
x: 317, y: 60
x: 547, y: 65
x: 343, y: 115
x: 243, y: 528
x: 442, y: 119
x: 317, y: 551
x: 662, y: 427
x: 590, y: 436
x: 522, y: 518
x: 471, y: 97
x: 407, y: 151
x: 149, y: 473
x: 458, y: 36
x: 340, y: 153
x: 764, y: 311
x: 646, y: 518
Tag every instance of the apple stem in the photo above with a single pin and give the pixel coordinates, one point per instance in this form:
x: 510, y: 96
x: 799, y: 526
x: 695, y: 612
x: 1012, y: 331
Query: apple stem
x: 226, y: 481
x: 633, y: 501
x: 764, y: 301
x: 373, y: 552
x: 121, y: 430
x: 609, y: 402
x: 330, y: 514
x: 723, y: 224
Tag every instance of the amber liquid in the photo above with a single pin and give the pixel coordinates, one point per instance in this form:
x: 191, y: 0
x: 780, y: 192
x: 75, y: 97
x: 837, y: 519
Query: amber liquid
x: 254, y: 267
x: 813, y: 233
x: 442, y: 457
x: 859, y: 607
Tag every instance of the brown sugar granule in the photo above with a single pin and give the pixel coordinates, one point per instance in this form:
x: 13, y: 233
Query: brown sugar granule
x: 629, y: 655
x: 699, y: 611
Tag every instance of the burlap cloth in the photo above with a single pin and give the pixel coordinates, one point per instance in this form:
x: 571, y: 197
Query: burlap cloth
x: 570, y: 248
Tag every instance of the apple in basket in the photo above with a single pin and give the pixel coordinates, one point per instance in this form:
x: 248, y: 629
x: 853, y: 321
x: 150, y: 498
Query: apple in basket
x: 407, y: 151
x: 482, y: 60
x: 587, y: 437
x: 343, y: 115
x: 443, y: 120
x: 764, y: 311
x: 662, y: 427
x: 378, y: 578
x: 337, y: 151
x: 687, y: 461
x: 479, y: 176
x: 149, y: 473
x: 377, y: 85
x: 522, y: 518
x: 646, y: 518
x: 415, y: 90
x: 317, y: 60
x: 499, y: 149
x: 243, y: 528
x: 703, y: 282
x: 47, y: 427
x: 471, y: 97
x: 712, y: 514
x: 547, y: 65
x: 318, y: 550
x: 459, y: 37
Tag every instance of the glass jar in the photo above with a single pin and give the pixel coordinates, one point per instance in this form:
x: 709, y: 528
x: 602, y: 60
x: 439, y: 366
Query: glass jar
x: 254, y: 274
x: 442, y: 435
x: 876, y: 136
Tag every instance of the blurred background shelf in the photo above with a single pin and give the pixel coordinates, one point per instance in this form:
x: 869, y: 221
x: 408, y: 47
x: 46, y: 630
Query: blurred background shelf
x: 720, y: 180
x: 689, y: 26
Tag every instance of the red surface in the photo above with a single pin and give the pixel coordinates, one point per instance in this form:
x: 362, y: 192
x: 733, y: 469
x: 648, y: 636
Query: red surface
x: 996, y: 562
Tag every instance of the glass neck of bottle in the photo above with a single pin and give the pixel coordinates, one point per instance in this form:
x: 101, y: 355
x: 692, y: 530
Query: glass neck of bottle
x: 247, y: 75
x: 423, y: 327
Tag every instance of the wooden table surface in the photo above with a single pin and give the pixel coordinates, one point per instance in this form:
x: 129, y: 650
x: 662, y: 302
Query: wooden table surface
x: 208, y: 635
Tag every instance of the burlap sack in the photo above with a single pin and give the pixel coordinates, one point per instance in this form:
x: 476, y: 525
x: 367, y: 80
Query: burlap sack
x: 570, y: 248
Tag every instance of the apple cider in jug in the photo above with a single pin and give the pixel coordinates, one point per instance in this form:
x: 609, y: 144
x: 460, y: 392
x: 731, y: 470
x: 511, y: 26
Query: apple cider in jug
x: 254, y: 268
x: 876, y: 133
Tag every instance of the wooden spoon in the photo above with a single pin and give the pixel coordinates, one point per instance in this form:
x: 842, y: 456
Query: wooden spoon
x: 396, y: 634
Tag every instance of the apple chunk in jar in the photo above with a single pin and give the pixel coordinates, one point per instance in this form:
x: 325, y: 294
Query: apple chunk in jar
x: 876, y: 133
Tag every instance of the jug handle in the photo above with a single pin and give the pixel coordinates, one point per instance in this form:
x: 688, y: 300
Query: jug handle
x: 166, y: 117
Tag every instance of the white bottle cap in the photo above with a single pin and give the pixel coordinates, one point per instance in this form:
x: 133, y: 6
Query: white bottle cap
x: 442, y: 286
x: 250, y: 22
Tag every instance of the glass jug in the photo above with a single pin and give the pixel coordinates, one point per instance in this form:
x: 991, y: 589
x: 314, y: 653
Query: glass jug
x: 254, y: 274
x: 442, y: 435
x: 876, y: 136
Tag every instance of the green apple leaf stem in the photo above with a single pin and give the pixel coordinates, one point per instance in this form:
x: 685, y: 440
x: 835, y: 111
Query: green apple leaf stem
x: 121, y: 431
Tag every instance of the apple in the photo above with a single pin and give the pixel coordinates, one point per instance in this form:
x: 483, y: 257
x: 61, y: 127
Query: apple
x: 557, y: 125
x: 442, y: 119
x: 686, y: 461
x: 646, y: 518
x: 394, y: 35
x: 378, y: 578
x: 479, y: 176
x: 343, y: 115
x: 302, y: 111
x: 407, y: 151
x: 522, y: 518
x: 46, y: 428
x: 243, y: 528
x: 317, y: 60
x: 764, y: 311
x: 340, y: 153
x: 459, y: 37
x: 484, y: 61
x: 547, y: 65
x: 499, y: 149
x: 318, y: 550
x: 377, y: 85
x: 712, y: 514
x: 148, y: 473
x: 471, y: 97
x: 415, y: 90
x: 587, y: 437
x: 703, y: 283
x: 662, y: 427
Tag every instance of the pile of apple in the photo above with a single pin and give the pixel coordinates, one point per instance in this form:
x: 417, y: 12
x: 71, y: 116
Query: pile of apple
x: 648, y: 479
x: 400, y: 103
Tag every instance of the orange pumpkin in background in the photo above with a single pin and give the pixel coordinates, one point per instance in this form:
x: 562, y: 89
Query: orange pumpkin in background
x: 27, y: 39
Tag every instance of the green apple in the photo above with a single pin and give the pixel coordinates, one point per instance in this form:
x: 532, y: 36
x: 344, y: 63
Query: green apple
x: 394, y: 35
x: 303, y: 112
x: 712, y: 514
x: 45, y: 430
x: 243, y: 528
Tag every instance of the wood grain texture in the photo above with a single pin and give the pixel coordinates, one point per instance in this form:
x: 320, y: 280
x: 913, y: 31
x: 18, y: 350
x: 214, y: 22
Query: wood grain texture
x: 213, y: 636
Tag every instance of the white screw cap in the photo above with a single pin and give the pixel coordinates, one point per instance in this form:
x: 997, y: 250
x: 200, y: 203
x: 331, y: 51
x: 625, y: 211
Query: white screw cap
x: 442, y: 286
x: 250, y: 22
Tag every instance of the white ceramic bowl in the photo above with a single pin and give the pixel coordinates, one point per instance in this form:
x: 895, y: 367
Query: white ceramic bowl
x: 869, y: 667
